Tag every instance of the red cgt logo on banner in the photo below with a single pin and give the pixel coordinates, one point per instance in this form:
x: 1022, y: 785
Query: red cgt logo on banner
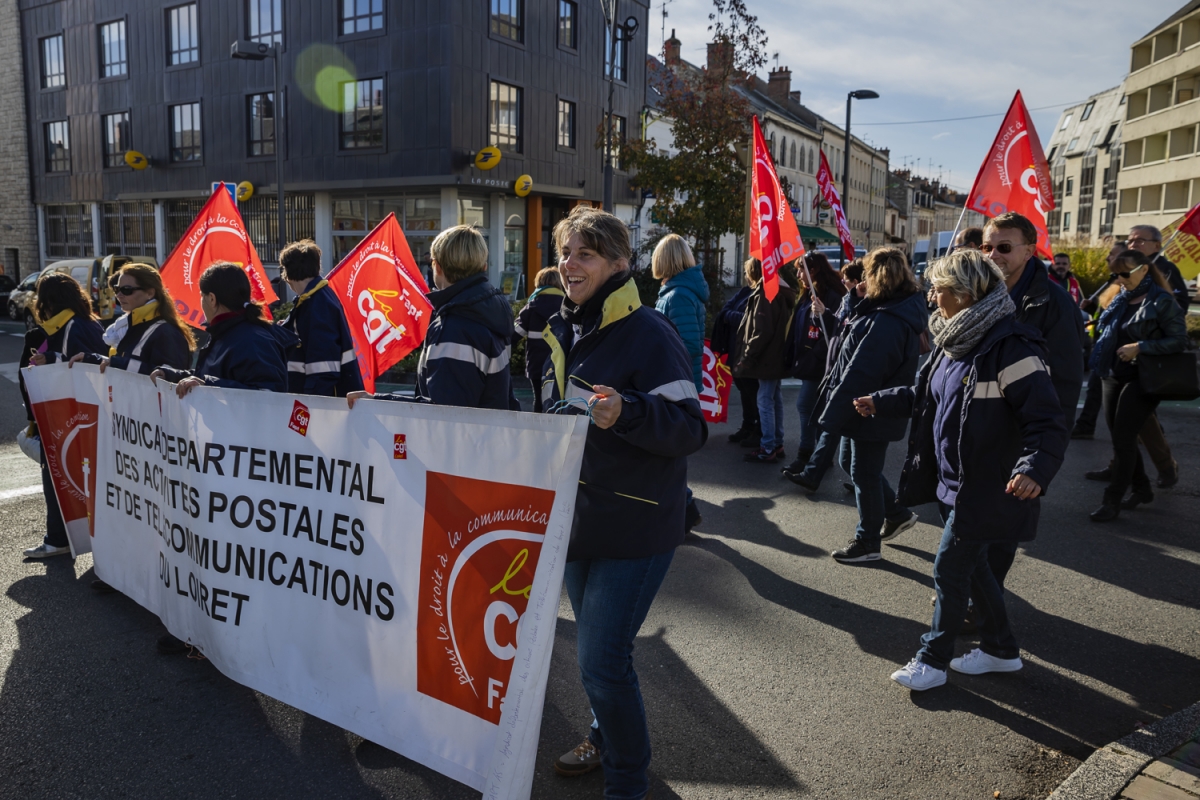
x: 1015, y: 175
x: 714, y: 398
x: 774, y: 237
x: 829, y: 194
x: 300, y: 418
x: 216, y: 234
x: 383, y: 294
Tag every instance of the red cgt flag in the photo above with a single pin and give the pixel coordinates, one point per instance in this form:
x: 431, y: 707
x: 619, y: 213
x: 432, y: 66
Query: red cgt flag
x: 829, y: 194
x: 1015, y: 175
x: 383, y: 294
x: 774, y: 237
x: 216, y: 234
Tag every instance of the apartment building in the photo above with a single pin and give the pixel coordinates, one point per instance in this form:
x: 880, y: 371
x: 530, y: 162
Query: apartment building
x: 1084, y: 153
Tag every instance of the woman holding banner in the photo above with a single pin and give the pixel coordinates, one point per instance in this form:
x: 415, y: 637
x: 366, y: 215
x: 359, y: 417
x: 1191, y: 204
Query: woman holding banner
x: 624, y: 366
x: 66, y: 327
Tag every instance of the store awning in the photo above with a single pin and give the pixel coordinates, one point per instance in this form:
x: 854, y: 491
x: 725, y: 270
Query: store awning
x: 811, y: 233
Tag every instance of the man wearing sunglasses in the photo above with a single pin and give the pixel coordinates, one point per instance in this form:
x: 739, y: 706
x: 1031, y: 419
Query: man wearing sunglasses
x: 1147, y: 240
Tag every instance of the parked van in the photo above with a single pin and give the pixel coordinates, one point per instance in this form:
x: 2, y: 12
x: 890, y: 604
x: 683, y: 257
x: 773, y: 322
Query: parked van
x: 93, y: 275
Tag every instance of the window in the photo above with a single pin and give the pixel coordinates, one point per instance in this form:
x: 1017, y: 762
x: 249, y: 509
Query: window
x: 615, y: 58
x: 1053, y: 150
x: 568, y: 24
x: 116, y: 138
x: 264, y: 21
x: 183, y: 36
x: 619, y: 128
x: 1066, y: 122
x: 1087, y: 111
x: 566, y: 124
x: 185, y: 133
x: 811, y: 160
x: 1071, y: 145
x: 127, y: 228
x: 508, y: 19
x: 58, y: 147
x: 362, y: 120
x: 504, y: 117
x: 1070, y: 187
x: 54, y: 68
x: 793, y: 155
x: 1095, y: 136
x: 1108, y: 136
x: 360, y: 16
x: 1066, y: 222
x: 113, y: 61
x: 69, y: 230
x: 260, y: 113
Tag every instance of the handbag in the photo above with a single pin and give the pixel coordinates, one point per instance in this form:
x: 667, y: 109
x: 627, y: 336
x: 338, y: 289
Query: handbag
x: 1169, y: 377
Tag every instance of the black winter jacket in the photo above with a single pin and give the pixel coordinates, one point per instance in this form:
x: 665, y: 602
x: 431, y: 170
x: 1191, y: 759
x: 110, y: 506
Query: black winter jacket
x: 1158, y: 325
x: 324, y: 364
x: 633, y: 481
x: 543, y: 304
x: 1174, y: 277
x: 879, y: 350
x: 764, y: 335
x: 727, y: 321
x: 1047, y: 307
x: 73, y: 337
x: 242, y: 354
x: 1011, y: 425
x: 150, y: 342
x: 810, y: 347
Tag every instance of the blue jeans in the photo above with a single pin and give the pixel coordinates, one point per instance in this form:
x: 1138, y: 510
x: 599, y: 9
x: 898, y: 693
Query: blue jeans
x: 806, y: 405
x: 828, y: 448
x: 873, y: 494
x: 770, y: 413
x: 960, y: 573
x: 610, y: 598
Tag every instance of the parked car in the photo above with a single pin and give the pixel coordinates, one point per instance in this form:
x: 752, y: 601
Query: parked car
x: 22, y: 296
x: 92, y: 274
x: 834, y: 254
x: 7, y: 284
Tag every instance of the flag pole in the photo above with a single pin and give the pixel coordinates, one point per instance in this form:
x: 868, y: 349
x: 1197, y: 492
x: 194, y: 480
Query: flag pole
x: 958, y: 225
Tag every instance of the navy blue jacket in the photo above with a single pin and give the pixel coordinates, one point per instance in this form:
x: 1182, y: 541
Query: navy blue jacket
x: 324, y: 363
x: 727, y: 322
x: 242, y: 354
x: 148, y: 344
x: 76, y: 336
x: 683, y: 299
x: 543, y: 304
x: 1047, y: 307
x: 1011, y: 425
x: 811, y: 348
x: 633, y: 482
x: 1179, y: 288
x: 879, y: 350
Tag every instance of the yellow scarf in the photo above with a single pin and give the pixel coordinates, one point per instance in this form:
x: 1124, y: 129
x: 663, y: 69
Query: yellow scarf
x: 144, y: 313
x: 55, y: 323
x: 320, y: 285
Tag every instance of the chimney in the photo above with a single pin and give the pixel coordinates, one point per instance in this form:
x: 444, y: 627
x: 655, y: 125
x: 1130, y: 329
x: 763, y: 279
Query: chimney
x: 671, y: 50
x: 720, y: 58
x: 794, y: 97
x: 779, y: 85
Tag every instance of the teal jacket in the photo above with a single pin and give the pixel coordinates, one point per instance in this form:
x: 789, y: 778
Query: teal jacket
x: 682, y: 299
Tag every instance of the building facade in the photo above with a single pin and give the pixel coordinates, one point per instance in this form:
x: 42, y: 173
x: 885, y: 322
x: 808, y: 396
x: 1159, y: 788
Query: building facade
x: 18, y: 219
x: 866, y: 204
x: 1159, y: 179
x: 1084, y: 153
x: 384, y: 106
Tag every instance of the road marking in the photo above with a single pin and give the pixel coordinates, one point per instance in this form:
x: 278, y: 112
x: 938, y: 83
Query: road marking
x: 24, y: 491
x: 9, y: 370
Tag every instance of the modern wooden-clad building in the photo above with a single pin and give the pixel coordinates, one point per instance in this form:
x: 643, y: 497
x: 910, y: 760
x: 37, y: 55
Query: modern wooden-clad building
x: 385, y: 104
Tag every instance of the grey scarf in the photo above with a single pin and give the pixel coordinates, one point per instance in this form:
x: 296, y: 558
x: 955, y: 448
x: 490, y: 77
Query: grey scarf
x: 961, y: 333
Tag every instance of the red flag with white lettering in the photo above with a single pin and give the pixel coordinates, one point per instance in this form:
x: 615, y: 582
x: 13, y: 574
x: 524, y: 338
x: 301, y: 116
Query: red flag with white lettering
x: 829, y: 194
x: 216, y: 234
x: 1015, y: 176
x: 383, y: 294
x: 774, y: 237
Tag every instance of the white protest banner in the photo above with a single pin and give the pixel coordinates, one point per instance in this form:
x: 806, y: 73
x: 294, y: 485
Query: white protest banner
x: 393, y: 569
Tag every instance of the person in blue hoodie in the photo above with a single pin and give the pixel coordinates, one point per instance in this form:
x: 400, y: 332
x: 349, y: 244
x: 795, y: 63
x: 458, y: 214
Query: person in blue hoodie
x: 465, y: 360
x: 543, y: 304
x: 324, y: 364
x: 880, y: 351
x: 683, y: 300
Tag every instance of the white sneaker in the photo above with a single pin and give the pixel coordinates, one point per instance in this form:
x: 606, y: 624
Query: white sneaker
x: 46, y: 551
x: 978, y: 662
x: 891, y: 530
x: 919, y: 676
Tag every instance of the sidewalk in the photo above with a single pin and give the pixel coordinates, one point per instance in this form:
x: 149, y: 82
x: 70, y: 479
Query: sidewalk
x: 1158, y: 762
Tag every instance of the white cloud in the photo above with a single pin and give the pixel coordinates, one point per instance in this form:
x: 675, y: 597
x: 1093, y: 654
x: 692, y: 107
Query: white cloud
x: 936, y: 136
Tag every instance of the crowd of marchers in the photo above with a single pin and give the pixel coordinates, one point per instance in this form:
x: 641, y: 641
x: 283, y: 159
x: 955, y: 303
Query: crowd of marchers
x: 980, y: 373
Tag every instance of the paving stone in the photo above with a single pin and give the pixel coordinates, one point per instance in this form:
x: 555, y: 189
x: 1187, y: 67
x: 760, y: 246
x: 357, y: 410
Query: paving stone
x: 1168, y: 773
x: 1144, y: 788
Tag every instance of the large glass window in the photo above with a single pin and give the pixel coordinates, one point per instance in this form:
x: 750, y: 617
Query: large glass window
x: 615, y: 58
x: 508, y: 19
x: 568, y: 24
x: 113, y: 59
x: 185, y: 132
x: 260, y: 113
x: 504, y: 117
x: 566, y: 124
x: 360, y: 16
x: 128, y: 228
x: 419, y: 216
x: 264, y: 21
x: 69, y: 230
x: 116, y: 138
x: 362, y: 120
x: 58, y: 147
x: 183, y: 36
x: 54, y: 68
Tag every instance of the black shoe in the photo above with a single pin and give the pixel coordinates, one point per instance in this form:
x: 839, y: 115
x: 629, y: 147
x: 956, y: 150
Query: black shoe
x: 848, y: 486
x: 799, y: 464
x: 741, y: 433
x: 1105, y: 513
x: 100, y: 587
x: 764, y: 456
x: 170, y: 645
x: 1104, y: 475
x: 1136, y: 499
x: 753, y: 440
x: 1080, y: 433
x: 691, y: 516
x: 855, y: 553
x: 1168, y: 479
x: 802, y: 480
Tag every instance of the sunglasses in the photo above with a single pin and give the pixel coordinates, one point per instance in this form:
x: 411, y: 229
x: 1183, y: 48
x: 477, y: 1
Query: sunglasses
x: 1125, y: 275
x: 127, y: 290
x: 1004, y: 248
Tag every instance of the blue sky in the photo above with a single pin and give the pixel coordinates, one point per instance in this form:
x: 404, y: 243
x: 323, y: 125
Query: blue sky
x: 936, y: 59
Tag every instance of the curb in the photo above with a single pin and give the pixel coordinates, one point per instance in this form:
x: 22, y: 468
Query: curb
x: 1110, y: 769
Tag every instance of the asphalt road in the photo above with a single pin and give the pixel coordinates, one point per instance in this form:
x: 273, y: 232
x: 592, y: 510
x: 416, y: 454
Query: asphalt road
x: 764, y: 664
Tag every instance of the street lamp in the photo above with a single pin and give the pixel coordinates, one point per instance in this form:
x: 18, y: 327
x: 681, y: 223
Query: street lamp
x: 260, y: 51
x: 622, y: 33
x: 858, y: 94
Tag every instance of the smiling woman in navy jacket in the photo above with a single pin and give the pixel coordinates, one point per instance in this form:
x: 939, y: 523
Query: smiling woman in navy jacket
x: 629, y: 366
x: 987, y: 436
